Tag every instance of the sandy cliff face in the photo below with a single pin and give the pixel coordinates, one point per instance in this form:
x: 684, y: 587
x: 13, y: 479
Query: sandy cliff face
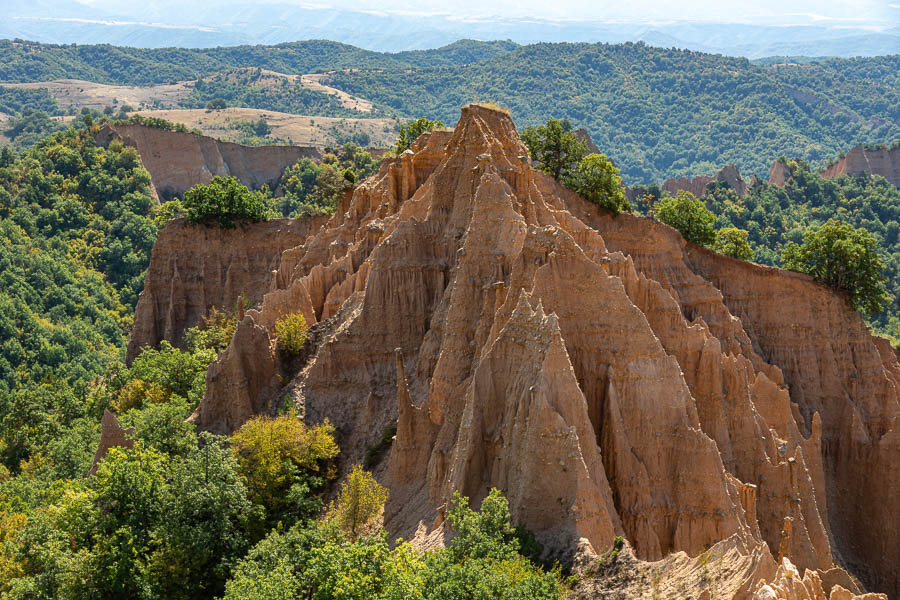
x: 193, y: 268
x: 697, y: 185
x: 859, y: 161
x: 178, y: 161
x: 609, y: 377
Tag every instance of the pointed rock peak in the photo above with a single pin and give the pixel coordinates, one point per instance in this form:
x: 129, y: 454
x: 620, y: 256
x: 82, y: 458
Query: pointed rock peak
x: 487, y: 131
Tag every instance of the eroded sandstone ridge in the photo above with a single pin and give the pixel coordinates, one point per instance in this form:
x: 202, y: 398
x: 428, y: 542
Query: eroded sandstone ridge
x: 177, y: 161
x: 195, y: 268
x: 609, y: 377
x: 859, y: 161
x: 697, y: 185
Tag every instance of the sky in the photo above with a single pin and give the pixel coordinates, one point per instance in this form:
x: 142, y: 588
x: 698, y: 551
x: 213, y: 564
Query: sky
x: 872, y: 13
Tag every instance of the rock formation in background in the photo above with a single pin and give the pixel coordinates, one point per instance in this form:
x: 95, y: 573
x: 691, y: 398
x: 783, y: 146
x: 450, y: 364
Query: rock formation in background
x: 195, y: 268
x: 779, y: 173
x: 608, y: 376
x: 859, y: 161
x: 177, y: 161
x: 697, y: 185
x: 112, y: 435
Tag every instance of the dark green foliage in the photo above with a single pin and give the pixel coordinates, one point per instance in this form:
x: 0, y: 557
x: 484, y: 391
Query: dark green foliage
x: 688, y: 215
x: 410, y: 132
x: 775, y: 217
x: 659, y: 112
x: 311, y: 189
x: 555, y: 148
x: 256, y: 89
x: 31, y: 126
x: 482, y: 562
x: 846, y: 259
x: 597, y: 179
x: 160, y: 123
x: 225, y: 201
x: 14, y: 101
x: 146, y: 525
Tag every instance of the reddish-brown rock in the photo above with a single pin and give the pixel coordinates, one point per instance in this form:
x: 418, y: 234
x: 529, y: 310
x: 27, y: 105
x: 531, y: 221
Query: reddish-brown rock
x: 194, y: 268
x: 859, y: 161
x: 112, y: 435
x: 177, y: 161
x: 779, y: 173
x: 609, y: 377
x: 697, y: 185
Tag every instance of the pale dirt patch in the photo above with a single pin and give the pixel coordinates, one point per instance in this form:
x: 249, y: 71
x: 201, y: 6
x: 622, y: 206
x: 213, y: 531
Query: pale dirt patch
x: 87, y: 94
x: 312, y: 81
x: 301, y: 130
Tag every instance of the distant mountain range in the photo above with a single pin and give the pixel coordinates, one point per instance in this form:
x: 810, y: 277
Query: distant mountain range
x: 168, y: 23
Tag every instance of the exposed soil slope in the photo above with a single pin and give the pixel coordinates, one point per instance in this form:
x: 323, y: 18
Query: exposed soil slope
x: 609, y: 377
x: 178, y: 161
x: 859, y: 161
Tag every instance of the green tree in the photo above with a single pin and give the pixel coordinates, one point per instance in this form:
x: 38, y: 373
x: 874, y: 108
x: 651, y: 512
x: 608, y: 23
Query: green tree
x: 844, y: 258
x: 216, y: 104
x: 281, y: 460
x: 291, y: 332
x: 732, y: 242
x: 688, y: 215
x: 555, y: 147
x: 412, y: 130
x: 597, y: 179
x: 360, y: 503
x: 226, y: 200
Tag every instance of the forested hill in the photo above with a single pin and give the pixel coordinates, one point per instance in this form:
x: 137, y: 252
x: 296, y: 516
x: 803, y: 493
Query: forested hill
x: 657, y: 112
x: 662, y: 113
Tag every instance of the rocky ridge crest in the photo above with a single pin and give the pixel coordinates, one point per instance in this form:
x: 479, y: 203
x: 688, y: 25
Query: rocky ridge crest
x: 608, y: 376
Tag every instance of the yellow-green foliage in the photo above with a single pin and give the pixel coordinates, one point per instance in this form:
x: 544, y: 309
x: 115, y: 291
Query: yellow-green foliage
x: 360, y: 504
x: 10, y: 566
x: 271, y: 450
x: 291, y: 331
x: 137, y: 391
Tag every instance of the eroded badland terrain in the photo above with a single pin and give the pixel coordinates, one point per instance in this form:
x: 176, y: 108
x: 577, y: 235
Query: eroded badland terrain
x: 736, y: 424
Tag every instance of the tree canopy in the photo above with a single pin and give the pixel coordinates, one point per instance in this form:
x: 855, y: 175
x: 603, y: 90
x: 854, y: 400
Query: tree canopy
x: 555, y: 147
x: 227, y: 201
x: 688, y: 215
x: 410, y: 132
x: 846, y: 259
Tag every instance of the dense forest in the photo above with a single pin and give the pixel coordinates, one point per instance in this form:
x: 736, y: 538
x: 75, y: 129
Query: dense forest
x: 663, y: 113
x: 656, y: 112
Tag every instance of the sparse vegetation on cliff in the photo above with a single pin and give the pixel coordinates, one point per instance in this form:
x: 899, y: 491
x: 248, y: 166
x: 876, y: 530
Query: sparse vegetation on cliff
x: 846, y: 259
x: 558, y: 152
x: 410, y: 132
x: 688, y: 215
x: 225, y: 201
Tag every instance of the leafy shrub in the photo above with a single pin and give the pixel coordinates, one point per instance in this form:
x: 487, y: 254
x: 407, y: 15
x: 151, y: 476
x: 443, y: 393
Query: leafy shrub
x: 359, y: 505
x: 846, y: 259
x: 281, y: 460
x: 291, y: 331
x: 732, y: 242
x: 555, y: 148
x: 226, y: 200
x: 410, y: 132
x: 688, y: 215
x: 597, y: 179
